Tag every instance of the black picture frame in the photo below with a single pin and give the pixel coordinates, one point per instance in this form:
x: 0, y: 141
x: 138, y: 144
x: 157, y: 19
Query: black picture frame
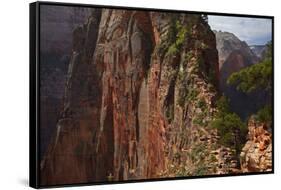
x: 34, y: 93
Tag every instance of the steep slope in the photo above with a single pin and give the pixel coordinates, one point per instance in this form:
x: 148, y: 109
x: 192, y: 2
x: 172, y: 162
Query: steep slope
x: 55, y: 51
x: 139, y: 97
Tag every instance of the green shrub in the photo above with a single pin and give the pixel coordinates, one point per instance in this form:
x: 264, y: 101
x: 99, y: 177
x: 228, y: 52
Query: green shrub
x: 202, y: 104
x: 192, y: 94
x: 188, y: 56
x: 201, y: 170
x: 257, y: 76
x: 213, y: 158
x: 199, y: 119
x: 222, y: 104
x: 180, y: 32
x: 182, y: 172
x: 173, y: 49
x: 187, y: 95
x: 231, y: 129
x: 265, y: 115
x: 196, y: 153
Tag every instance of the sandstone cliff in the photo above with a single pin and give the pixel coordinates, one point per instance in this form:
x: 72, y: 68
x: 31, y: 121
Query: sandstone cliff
x: 139, y: 97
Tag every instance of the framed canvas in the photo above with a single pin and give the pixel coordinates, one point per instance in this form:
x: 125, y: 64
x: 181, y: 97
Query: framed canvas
x: 121, y: 94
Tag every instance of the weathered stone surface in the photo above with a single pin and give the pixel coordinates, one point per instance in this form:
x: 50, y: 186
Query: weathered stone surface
x: 256, y: 155
x: 138, y: 99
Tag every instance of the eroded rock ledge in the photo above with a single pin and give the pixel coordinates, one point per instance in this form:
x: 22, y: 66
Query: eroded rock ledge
x: 256, y: 155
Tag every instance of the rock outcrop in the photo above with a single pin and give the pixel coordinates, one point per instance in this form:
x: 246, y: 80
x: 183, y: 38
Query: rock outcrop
x: 256, y: 155
x: 139, y: 97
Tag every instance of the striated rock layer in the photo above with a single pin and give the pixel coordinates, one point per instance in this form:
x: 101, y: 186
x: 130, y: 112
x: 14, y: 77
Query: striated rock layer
x: 139, y: 96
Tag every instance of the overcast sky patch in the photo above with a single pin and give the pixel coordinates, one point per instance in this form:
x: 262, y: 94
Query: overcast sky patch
x: 255, y: 31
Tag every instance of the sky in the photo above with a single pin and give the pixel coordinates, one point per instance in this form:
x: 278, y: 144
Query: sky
x: 255, y: 31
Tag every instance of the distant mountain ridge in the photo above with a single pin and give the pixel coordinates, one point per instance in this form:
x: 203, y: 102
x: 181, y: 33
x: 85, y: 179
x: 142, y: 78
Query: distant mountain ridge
x: 235, y: 55
x: 227, y: 42
x: 259, y: 50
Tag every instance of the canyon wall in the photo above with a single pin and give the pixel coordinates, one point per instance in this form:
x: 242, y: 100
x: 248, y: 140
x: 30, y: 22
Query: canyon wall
x: 140, y: 94
x: 134, y: 82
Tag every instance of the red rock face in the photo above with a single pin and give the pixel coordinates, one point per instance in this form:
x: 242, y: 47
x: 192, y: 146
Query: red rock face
x: 125, y: 46
x: 126, y: 96
x: 256, y: 155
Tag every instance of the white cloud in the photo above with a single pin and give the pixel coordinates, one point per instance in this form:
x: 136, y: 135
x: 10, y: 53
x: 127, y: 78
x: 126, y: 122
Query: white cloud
x: 252, y: 30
